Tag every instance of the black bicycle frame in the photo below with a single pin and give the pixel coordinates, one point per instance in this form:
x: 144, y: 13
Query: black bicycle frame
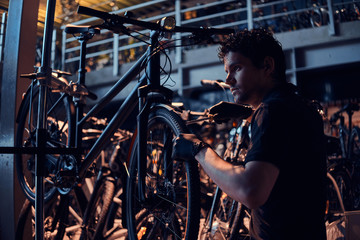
x: 120, y: 116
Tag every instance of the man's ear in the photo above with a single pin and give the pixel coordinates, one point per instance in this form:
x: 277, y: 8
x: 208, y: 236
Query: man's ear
x: 269, y: 64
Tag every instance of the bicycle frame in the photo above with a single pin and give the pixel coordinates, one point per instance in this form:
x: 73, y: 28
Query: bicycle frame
x: 120, y: 116
x: 148, y: 83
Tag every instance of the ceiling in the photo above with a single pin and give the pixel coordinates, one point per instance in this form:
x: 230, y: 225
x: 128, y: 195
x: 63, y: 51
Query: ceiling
x: 65, y: 11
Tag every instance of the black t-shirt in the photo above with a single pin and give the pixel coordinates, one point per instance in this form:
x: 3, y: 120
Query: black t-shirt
x: 287, y: 132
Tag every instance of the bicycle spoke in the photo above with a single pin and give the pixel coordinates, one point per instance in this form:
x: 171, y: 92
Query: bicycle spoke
x: 160, y: 222
x: 173, y: 203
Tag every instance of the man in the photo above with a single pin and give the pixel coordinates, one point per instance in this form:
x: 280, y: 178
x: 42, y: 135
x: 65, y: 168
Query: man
x: 283, y: 180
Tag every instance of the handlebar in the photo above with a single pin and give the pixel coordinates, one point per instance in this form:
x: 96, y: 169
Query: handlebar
x: 218, y: 82
x: 116, y: 21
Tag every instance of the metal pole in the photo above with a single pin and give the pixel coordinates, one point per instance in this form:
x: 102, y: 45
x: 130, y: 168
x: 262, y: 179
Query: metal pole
x: 332, y: 29
x: 19, y: 56
x: 2, y: 34
x: 178, y: 56
x: 53, y: 49
x: 63, y: 48
x: 44, y: 76
x: 249, y: 14
x: 47, y: 38
x: 116, y: 55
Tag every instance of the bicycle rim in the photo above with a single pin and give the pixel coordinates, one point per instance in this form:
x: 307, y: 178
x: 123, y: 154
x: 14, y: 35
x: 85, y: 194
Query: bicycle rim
x: 59, y: 125
x: 172, y: 207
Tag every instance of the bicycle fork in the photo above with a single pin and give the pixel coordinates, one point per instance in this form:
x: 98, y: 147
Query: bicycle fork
x: 153, y: 84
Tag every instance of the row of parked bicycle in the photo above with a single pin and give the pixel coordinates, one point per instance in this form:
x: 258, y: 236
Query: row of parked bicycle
x: 344, y: 161
x: 221, y: 217
x: 96, y: 209
x: 85, y: 178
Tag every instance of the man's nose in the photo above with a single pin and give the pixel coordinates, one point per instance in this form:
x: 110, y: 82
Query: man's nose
x: 229, y: 80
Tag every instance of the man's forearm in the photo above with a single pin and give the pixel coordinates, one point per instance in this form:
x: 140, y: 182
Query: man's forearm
x: 224, y: 174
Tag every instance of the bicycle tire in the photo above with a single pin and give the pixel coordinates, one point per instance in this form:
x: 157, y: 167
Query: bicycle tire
x: 172, y: 207
x: 240, y: 228
x: 62, y: 218
x: 354, y: 156
x: 342, y: 179
x: 25, y: 228
x: 60, y: 125
x: 22, y: 226
x: 115, y: 224
x: 98, y: 209
x: 354, y: 142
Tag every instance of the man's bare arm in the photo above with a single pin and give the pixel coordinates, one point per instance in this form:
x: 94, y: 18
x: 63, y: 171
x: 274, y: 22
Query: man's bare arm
x: 251, y: 185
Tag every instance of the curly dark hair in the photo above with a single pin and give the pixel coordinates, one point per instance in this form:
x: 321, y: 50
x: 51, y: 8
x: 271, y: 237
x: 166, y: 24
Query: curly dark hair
x: 256, y: 45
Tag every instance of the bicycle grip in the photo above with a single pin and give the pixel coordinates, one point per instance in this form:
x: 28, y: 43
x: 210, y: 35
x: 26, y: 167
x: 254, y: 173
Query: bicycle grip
x: 93, y: 13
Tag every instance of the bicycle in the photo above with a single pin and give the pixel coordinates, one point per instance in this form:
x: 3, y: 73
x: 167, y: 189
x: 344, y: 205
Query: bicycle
x: 227, y: 218
x: 343, y: 164
x: 222, y: 217
x: 354, y: 156
x: 157, y: 124
x: 348, y: 11
x: 350, y: 161
x: 106, y: 178
x: 347, y: 140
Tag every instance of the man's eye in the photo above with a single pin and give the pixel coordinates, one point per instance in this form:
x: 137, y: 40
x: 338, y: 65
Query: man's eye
x: 237, y: 68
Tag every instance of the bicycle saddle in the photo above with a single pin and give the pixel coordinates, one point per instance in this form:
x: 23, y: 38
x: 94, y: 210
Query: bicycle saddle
x: 71, y: 29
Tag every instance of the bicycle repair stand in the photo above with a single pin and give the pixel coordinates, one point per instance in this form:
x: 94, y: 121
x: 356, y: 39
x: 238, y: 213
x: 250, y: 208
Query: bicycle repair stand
x: 44, y: 77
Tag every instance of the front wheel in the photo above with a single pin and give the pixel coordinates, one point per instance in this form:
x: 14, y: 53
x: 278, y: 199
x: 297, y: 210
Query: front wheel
x: 171, y: 208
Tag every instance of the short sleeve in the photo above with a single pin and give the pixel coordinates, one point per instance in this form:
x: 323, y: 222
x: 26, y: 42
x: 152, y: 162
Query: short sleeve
x: 269, y: 137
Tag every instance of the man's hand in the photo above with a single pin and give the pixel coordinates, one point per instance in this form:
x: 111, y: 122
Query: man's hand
x: 186, y: 146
